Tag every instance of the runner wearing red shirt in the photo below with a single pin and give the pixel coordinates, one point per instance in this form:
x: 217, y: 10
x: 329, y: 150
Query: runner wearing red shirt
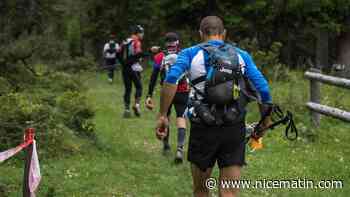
x: 131, y: 57
x: 162, y: 63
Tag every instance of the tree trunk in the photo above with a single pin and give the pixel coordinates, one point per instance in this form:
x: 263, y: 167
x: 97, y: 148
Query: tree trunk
x: 322, y: 49
x: 32, y: 11
x: 343, y: 52
x: 212, y: 7
x: 343, y: 56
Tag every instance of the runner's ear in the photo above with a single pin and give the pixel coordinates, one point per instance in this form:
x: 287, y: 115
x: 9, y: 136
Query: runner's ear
x: 224, y: 34
x: 201, y: 35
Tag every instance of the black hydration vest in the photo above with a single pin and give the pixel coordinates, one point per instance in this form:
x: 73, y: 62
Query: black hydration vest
x: 225, y: 93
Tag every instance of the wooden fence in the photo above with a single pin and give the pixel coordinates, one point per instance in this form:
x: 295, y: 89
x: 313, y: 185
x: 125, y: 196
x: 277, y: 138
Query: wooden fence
x: 316, y: 78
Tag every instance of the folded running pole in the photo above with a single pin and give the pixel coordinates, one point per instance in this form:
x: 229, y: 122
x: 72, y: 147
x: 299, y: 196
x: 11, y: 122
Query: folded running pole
x: 32, y: 174
x: 278, y: 118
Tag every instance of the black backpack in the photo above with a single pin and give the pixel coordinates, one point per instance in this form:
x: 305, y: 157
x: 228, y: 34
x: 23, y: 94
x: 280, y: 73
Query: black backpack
x: 126, y: 58
x: 225, y: 92
x: 223, y: 75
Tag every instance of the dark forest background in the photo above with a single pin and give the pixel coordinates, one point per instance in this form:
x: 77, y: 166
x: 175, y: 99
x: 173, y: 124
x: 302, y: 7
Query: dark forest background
x: 83, y: 26
x: 46, y: 43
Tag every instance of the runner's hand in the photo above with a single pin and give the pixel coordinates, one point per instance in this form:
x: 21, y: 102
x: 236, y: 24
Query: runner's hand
x: 266, y: 123
x: 162, y: 127
x: 263, y: 127
x: 149, y: 103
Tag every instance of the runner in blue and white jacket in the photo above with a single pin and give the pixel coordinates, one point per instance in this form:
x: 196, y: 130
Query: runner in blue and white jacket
x: 208, y: 145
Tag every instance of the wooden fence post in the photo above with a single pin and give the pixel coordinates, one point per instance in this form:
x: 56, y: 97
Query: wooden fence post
x: 321, y: 62
x: 29, y: 135
x: 315, y: 97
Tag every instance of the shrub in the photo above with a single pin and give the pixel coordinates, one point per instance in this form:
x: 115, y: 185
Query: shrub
x: 76, y: 65
x: 3, y: 191
x: 61, y: 116
x: 267, y: 60
x: 60, y: 82
x: 76, y: 113
x: 52, y: 49
x: 15, y: 110
x: 39, y: 83
x: 5, y: 86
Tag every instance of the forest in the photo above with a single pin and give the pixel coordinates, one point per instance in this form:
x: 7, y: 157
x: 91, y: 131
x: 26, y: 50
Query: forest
x: 51, y: 75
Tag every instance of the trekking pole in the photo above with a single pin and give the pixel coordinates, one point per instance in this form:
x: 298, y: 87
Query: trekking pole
x: 28, y: 138
x: 278, y: 117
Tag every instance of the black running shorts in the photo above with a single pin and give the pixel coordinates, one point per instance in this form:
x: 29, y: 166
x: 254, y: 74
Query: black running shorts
x: 111, y: 61
x: 224, y: 145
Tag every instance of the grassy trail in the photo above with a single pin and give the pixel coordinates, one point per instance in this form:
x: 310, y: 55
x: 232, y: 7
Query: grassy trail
x: 127, y: 160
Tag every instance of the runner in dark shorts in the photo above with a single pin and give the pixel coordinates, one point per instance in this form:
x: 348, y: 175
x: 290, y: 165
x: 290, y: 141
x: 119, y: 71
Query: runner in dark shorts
x: 224, y: 145
x: 162, y: 63
x: 216, y: 106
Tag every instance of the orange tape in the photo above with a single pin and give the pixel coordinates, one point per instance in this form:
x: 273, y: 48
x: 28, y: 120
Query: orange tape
x: 256, y: 144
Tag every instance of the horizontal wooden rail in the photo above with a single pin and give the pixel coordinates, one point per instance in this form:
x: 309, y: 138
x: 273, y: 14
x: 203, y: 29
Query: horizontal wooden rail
x: 329, y: 111
x: 336, y: 81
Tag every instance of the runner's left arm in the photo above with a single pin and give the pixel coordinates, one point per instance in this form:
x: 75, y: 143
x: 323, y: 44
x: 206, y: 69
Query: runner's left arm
x: 261, y: 85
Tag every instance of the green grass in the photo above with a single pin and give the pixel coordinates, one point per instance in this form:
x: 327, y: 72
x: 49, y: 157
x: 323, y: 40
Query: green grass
x: 126, y: 160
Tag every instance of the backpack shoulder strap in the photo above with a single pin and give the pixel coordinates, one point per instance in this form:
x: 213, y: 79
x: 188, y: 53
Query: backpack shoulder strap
x: 125, y: 47
x: 207, y: 47
x: 127, y: 44
x: 232, y: 49
x: 198, y: 80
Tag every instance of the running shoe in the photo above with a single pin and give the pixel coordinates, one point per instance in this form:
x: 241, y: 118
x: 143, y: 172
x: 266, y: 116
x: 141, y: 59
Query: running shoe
x: 137, y: 110
x: 127, y: 114
x: 179, y: 155
x: 166, y: 148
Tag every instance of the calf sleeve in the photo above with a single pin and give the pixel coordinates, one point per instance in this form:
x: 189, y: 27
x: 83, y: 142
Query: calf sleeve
x: 181, y: 136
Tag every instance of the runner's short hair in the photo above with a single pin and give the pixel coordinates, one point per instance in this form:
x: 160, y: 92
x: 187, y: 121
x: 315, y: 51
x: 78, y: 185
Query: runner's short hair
x: 212, y: 25
x: 171, y: 37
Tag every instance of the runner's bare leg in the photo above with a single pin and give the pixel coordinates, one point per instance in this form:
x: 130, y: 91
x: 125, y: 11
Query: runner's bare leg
x: 199, y: 178
x: 229, y: 173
